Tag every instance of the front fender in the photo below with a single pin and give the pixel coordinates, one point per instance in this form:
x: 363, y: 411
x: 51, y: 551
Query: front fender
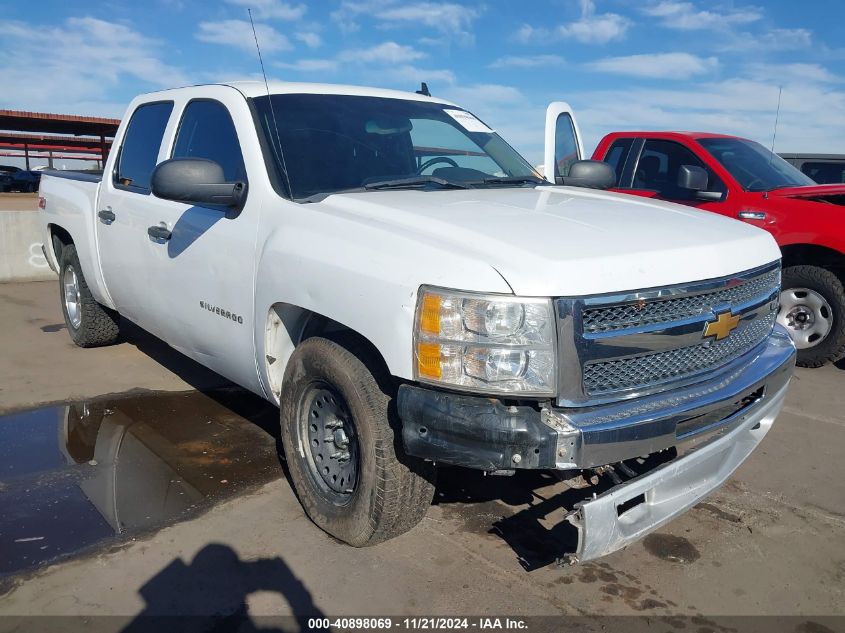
x: 363, y: 276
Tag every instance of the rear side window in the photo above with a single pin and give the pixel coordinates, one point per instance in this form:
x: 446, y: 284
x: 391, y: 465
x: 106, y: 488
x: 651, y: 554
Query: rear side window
x: 140, y: 147
x: 825, y: 173
x: 617, y: 155
x: 207, y: 131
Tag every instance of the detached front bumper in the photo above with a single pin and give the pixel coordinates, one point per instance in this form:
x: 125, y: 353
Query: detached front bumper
x: 714, y: 425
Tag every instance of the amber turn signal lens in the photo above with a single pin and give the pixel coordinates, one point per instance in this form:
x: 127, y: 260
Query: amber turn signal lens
x: 430, y: 314
x: 428, y: 360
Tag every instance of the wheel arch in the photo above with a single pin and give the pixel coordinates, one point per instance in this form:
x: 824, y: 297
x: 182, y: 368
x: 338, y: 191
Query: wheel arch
x: 286, y: 326
x: 814, y: 255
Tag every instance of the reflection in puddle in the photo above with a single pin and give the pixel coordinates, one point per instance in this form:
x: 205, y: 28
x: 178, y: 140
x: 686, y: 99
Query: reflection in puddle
x: 76, y: 474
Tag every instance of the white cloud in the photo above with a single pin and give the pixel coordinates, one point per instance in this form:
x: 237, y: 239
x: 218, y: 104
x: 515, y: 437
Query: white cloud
x: 686, y: 17
x: 530, y: 61
x: 409, y: 77
x: 797, y: 73
x: 272, y: 9
x: 445, y: 17
x: 387, y: 52
x: 80, y: 64
x: 238, y: 33
x: 812, y: 115
x: 309, y: 65
x: 591, y: 28
x: 486, y: 94
x: 595, y: 28
x: 772, y: 40
x: 309, y: 38
x: 658, y: 65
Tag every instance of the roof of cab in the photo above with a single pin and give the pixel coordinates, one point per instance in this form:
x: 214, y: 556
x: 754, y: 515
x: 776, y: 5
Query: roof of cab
x: 673, y: 135
x: 258, y: 89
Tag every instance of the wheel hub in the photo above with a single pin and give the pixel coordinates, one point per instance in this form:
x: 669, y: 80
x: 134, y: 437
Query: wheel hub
x: 332, y: 447
x: 806, y: 314
x: 72, y: 297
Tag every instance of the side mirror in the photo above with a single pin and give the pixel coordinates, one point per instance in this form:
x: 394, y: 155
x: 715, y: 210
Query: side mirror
x: 695, y: 179
x: 592, y: 174
x: 197, y: 181
x: 692, y: 177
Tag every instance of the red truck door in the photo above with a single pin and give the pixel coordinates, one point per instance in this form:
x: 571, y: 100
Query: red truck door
x: 651, y: 168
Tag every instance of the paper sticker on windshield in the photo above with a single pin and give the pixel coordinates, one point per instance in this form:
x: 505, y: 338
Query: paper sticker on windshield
x: 469, y: 122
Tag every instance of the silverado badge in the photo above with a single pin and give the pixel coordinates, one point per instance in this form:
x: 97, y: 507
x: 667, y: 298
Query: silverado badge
x: 722, y: 327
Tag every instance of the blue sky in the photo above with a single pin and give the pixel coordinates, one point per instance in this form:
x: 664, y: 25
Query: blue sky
x: 655, y: 64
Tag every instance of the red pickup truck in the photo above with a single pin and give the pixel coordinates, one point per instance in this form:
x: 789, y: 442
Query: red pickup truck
x: 742, y: 179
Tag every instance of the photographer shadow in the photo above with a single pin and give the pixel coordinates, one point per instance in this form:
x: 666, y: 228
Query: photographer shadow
x: 210, y: 594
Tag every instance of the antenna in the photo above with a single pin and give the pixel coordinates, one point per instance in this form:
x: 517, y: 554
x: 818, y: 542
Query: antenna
x: 775, y: 132
x: 424, y: 90
x: 278, y: 144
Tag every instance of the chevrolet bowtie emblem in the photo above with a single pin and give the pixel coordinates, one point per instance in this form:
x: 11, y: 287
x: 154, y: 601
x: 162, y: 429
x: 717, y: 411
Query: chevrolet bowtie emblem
x: 722, y: 327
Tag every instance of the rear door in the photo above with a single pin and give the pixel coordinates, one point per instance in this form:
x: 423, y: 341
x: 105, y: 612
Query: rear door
x: 563, y: 141
x: 123, y: 208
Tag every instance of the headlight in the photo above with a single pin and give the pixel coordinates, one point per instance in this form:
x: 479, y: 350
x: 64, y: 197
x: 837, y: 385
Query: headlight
x: 485, y: 343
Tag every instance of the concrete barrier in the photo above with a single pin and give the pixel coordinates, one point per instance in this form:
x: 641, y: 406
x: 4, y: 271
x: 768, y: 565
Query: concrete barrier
x: 21, y: 258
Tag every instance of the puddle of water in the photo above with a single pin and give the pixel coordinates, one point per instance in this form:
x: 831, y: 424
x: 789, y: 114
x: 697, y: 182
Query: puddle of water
x: 79, y: 474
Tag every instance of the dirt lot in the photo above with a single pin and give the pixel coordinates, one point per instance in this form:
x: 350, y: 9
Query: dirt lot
x: 18, y: 201
x: 209, y: 525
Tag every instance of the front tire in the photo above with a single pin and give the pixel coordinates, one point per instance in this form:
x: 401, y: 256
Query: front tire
x: 812, y: 308
x: 89, y: 323
x: 343, y: 445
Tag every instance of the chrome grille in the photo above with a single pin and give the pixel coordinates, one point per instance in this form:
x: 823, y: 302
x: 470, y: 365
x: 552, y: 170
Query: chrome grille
x: 620, y: 317
x: 627, y: 373
x: 638, y: 342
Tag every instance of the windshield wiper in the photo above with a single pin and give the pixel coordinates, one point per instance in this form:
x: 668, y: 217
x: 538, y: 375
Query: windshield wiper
x: 514, y: 180
x: 415, y: 182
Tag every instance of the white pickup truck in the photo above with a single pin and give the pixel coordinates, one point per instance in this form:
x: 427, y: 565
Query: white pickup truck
x: 403, y: 285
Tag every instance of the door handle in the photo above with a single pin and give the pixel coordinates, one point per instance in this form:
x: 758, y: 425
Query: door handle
x: 751, y: 215
x: 106, y: 215
x: 159, y: 233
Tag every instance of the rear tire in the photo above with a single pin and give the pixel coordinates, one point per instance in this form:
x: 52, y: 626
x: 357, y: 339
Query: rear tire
x: 812, y: 308
x: 333, y: 388
x: 89, y: 323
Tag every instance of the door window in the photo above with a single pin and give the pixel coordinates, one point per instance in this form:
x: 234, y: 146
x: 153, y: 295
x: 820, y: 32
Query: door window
x: 658, y: 167
x: 140, y: 147
x: 566, y: 145
x: 439, y: 139
x: 617, y: 155
x: 207, y: 131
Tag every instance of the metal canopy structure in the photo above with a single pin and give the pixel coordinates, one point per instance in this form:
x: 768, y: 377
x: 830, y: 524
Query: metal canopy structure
x: 56, y: 135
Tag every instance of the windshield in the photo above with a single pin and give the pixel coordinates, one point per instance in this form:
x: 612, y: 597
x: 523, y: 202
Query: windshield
x: 753, y: 166
x: 336, y: 143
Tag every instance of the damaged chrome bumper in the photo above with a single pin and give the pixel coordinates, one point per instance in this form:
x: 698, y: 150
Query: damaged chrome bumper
x: 631, y: 510
x: 487, y: 434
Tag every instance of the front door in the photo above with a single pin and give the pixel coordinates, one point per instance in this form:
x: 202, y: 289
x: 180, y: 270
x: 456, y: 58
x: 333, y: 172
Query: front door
x: 204, y: 270
x: 651, y: 170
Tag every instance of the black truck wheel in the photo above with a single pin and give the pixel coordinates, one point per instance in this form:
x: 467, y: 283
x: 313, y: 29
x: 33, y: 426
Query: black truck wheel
x: 89, y: 323
x: 812, y: 308
x: 344, y: 446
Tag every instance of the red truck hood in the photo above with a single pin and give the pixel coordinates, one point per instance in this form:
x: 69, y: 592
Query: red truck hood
x: 814, y: 192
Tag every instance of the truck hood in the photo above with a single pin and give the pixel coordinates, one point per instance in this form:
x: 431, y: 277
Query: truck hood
x: 834, y: 194
x: 564, y: 241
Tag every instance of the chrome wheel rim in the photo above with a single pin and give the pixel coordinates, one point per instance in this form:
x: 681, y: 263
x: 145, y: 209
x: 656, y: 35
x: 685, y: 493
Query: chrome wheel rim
x: 329, y: 443
x: 73, y: 299
x: 807, y: 316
